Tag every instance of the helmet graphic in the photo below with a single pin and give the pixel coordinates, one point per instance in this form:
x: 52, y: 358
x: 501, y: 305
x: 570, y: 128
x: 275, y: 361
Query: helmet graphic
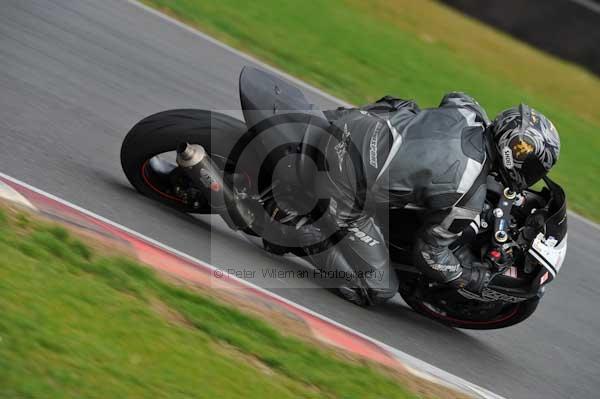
x: 528, y: 145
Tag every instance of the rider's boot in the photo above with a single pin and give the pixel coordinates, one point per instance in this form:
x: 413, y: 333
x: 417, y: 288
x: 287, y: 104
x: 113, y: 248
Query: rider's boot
x: 364, y: 296
x: 354, y: 294
x: 474, y: 278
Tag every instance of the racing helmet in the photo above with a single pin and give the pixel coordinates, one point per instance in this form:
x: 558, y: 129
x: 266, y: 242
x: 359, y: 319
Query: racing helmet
x: 528, y: 146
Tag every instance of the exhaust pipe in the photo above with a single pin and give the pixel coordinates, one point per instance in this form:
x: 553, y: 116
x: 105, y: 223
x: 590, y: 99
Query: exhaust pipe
x: 199, y: 167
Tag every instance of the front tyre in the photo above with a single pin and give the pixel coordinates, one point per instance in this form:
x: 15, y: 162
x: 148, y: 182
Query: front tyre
x: 510, y: 315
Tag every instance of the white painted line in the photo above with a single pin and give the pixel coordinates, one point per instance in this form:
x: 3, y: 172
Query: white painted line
x: 270, y: 68
x: 423, y: 367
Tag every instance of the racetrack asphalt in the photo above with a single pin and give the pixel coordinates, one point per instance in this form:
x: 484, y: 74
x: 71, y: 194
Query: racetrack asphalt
x: 76, y: 75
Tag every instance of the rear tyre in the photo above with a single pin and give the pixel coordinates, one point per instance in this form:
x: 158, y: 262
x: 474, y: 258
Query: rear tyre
x: 163, y: 132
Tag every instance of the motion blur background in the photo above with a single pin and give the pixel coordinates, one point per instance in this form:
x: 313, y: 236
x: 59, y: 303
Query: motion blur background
x: 565, y: 28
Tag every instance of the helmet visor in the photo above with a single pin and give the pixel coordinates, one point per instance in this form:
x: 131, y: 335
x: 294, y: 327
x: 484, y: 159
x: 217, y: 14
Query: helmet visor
x: 532, y: 170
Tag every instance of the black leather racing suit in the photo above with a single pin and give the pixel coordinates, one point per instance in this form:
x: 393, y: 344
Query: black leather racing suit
x: 392, y: 152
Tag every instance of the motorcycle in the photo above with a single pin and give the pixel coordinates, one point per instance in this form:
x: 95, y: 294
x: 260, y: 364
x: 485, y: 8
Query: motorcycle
x: 202, y: 162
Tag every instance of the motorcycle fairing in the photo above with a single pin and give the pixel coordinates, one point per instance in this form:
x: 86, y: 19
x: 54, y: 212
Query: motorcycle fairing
x: 549, y: 253
x: 549, y: 247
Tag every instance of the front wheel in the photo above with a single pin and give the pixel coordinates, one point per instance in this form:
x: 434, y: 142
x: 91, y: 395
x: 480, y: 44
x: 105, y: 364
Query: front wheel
x: 502, y: 315
x: 148, y: 153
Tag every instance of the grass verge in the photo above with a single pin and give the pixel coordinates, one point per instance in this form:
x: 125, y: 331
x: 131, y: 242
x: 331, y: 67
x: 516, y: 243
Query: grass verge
x: 417, y: 49
x: 76, y: 323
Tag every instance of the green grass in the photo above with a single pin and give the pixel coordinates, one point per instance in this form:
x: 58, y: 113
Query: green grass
x: 417, y: 49
x: 75, y: 324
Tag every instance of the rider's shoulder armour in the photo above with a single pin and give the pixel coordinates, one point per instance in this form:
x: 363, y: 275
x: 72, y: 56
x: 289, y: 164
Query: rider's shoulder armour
x: 441, y: 156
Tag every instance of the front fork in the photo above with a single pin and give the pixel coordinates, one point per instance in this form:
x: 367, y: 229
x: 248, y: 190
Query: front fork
x: 500, y: 253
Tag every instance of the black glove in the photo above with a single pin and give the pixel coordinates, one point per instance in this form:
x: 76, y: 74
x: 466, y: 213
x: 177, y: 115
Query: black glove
x: 534, y: 224
x: 465, y: 255
x: 474, y: 278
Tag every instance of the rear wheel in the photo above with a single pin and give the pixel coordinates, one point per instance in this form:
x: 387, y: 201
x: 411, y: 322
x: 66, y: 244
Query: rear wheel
x: 148, y: 153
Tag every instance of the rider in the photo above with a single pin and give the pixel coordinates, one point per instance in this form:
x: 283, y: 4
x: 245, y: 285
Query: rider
x: 438, y: 159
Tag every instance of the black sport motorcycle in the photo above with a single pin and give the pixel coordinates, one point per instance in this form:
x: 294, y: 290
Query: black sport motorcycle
x: 202, y: 161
